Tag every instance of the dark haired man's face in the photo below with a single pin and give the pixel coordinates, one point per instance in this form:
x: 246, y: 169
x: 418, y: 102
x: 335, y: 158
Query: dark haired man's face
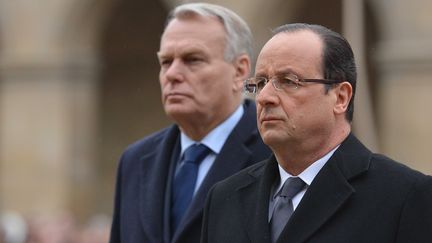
x: 301, y: 116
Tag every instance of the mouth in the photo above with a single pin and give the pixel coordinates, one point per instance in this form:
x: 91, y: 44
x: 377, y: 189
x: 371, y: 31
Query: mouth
x: 270, y: 119
x: 175, y: 95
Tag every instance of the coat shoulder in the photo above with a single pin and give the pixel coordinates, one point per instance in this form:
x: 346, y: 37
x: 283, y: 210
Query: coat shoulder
x: 394, y: 170
x: 241, y: 179
x: 152, y: 141
x: 389, y: 178
x: 147, y: 146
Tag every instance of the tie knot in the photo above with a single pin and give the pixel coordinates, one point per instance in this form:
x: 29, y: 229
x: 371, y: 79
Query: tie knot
x: 196, y: 153
x: 291, y: 187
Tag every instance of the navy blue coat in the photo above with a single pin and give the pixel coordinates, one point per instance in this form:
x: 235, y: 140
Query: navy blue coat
x: 143, y: 189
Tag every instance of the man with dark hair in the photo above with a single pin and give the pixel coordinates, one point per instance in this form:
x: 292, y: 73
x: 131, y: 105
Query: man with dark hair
x: 321, y: 184
x: 163, y: 179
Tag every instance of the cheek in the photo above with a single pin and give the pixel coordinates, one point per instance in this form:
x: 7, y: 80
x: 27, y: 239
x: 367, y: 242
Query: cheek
x: 214, y: 87
x: 290, y: 108
x: 259, y: 114
x: 225, y: 73
x: 202, y: 87
x: 162, y: 81
x: 314, y: 116
x: 165, y: 88
x: 161, y: 76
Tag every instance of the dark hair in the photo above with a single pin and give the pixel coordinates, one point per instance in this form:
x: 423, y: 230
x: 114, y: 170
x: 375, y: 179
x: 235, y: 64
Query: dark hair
x: 338, y: 57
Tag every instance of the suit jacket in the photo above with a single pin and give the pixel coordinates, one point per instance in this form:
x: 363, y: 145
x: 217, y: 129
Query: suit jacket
x: 143, y: 188
x: 357, y: 196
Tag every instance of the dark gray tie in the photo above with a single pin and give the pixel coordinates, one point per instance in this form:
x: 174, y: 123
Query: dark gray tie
x: 283, y: 208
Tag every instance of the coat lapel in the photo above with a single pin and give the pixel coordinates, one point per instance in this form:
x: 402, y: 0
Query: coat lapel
x: 329, y: 191
x: 153, y: 178
x: 254, y: 201
x: 320, y: 202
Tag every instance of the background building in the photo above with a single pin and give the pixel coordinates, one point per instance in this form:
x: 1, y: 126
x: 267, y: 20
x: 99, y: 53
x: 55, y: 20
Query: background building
x: 79, y: 81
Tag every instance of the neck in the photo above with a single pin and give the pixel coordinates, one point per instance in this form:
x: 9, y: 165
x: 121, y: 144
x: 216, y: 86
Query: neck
x: 296, y: 157
x: 196, y: 133
x: 197, y: 127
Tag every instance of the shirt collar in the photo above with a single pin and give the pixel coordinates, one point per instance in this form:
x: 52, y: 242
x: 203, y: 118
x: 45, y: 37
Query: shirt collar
x: 309, y: 174
x: 217, y: 137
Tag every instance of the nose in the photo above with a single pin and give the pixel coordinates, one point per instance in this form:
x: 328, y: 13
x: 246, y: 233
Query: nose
x: 268, y: 95
x: 174, y: 72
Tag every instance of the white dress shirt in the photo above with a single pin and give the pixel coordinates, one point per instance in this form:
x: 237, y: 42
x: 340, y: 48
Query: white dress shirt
x: 214, y: 140
x: 308, y: 175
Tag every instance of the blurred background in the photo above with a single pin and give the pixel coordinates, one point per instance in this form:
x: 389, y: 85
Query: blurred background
x: 79, y: 82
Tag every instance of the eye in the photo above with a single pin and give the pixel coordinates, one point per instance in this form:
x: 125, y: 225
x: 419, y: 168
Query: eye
x: 288, y: 81
x: 165, y: 62
x: 193, y: 60
x: 261, y: 82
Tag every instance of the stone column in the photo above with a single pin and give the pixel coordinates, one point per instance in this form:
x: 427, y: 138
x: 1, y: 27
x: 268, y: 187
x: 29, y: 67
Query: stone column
x: 354, y: 30
x: 46, y: 126
x: 48, y: 106
x: 404, y: 56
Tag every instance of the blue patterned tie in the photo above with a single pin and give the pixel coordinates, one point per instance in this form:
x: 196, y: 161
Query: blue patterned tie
x: 284, y: 208
x: 184, y: 182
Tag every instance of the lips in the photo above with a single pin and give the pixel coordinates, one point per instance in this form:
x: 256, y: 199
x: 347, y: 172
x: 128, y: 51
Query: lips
x: 176, y: 94
x: 175, y: 97
x: 269, y: 119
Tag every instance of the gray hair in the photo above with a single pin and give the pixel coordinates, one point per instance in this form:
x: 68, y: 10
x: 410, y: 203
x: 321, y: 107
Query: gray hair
x: 238, y: 35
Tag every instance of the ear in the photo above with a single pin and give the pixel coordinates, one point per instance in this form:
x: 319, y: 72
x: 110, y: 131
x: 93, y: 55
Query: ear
x: 343, y: 97
x: 242, y: 66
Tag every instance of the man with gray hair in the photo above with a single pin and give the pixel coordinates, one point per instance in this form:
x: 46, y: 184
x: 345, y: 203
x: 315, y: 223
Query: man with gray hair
x: 163, y: 179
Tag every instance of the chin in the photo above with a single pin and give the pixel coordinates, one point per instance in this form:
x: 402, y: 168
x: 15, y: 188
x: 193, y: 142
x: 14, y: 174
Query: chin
x: 179, y: 111
x: 273, y: 137
x: 269, y: 141
x: 269, y: 138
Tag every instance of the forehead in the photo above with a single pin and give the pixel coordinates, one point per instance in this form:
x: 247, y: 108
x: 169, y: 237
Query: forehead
x: 193, y: 33
x: 299, y: 52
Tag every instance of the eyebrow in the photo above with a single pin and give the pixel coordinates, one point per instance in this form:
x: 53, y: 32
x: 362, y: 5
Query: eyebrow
x: 186, y: 54
x: 285, y: 71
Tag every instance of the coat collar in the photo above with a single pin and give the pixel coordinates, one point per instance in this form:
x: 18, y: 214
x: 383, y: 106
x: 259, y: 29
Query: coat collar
x: 326, y: 195
x: 155, y: 169
x: 329, y: 191
x: 254, y: 200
